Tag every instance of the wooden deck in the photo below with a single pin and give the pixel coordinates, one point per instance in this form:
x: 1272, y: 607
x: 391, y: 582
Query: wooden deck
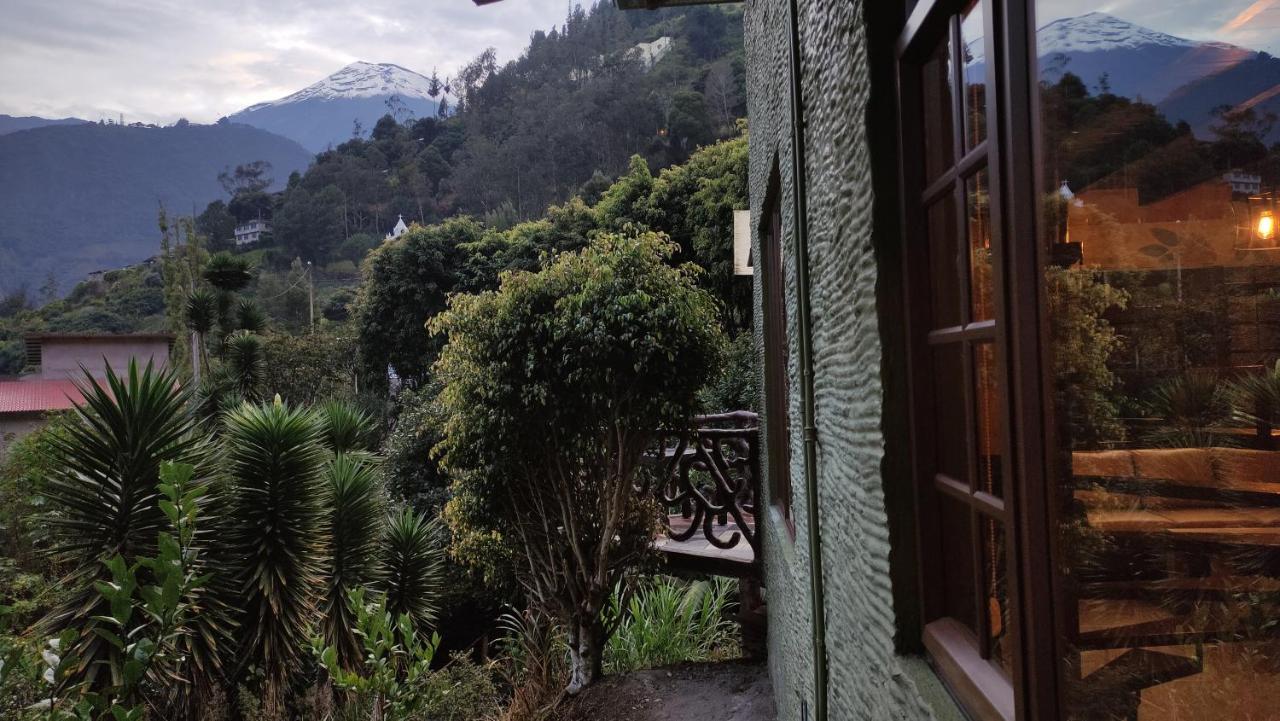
x: 698, y: 555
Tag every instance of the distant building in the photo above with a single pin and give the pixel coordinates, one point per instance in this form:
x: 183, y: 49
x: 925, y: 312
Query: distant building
x: 397, y: 231
x: 252, y: 231
x: 61, y: 359
x: 1244, y: 183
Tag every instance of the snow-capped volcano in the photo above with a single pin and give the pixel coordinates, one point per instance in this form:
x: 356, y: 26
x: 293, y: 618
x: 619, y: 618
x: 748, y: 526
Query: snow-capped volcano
x: 364, y: 80
x: 1098, y: 31
x: 331, y: 111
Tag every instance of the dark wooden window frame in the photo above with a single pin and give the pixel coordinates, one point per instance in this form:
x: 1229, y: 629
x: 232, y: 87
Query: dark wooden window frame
x: 777, y: 395
x: 1031, y: 690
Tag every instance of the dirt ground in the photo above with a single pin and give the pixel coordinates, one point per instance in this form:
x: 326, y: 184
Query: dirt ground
x: 732, y: 691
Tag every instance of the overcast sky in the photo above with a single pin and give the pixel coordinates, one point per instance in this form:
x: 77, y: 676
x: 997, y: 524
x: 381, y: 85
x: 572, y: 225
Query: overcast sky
x: 158, y: 60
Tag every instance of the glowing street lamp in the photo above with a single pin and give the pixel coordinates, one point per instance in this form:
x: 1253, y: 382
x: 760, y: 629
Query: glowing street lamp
x: 1266, y: 229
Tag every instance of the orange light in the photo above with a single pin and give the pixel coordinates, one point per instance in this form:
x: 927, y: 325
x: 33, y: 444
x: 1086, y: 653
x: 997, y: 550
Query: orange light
x: 1266, y: 226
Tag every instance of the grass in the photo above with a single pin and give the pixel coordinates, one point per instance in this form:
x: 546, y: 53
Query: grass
x: 670, y: 621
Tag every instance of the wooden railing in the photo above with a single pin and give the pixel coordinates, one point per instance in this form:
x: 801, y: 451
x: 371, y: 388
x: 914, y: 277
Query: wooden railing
x: 708, y: 477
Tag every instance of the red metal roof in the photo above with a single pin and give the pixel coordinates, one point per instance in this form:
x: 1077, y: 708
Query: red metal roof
x: 38, y: 396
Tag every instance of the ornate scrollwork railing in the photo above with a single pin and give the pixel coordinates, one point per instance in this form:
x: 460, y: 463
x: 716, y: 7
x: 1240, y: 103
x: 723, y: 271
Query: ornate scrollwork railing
x: 709, y: 475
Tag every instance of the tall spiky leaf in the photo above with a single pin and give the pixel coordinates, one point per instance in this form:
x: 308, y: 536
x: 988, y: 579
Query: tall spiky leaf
x: 357, y: 514
x: 246, y: 363
x: 201, y: 311
x: 250, y: 317
x: 228, y: 272
x: 104, y: 501
x: 412, y: 564
x: 276, y: 529
x: 347, y: 428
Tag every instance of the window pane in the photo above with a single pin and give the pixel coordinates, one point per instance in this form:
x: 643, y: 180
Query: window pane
x: 955, y: 521
x: 944, y: 262
x: 995, y: 585
x: 978, y: 211
x: 1159, y: 178
x: 935, y: 82
x: 987, y: 426
x: 950, y: 423
x: 975, y: 88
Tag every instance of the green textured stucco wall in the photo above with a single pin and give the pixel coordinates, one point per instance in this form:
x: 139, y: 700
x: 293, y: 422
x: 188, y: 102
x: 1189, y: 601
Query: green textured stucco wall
x: 869, y: 678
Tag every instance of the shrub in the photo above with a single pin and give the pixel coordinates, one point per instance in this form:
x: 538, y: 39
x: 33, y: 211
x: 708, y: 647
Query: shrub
x: 461, y: 691
x: 667, y: 621
x: 553, y: 386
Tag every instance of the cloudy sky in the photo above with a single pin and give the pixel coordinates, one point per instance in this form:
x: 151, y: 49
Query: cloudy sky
x: 158, y: 60
x: 1253, y: 24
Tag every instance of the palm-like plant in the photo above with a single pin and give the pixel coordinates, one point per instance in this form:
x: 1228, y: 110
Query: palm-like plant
x: 227, y: 272
x: 250, y: 317
x: 1190, y: 408
x: 276, y: 531
x: 412, y: 564
x: 201, y: 315
x: 357, y: 512
x: 104, y: 500
x: 245, y: 363
x: 1256, y: 399
x: 346, y: 428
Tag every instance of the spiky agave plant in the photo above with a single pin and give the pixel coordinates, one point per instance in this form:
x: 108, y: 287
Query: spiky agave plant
x: 411, y: 567
x: 250, y: 317
x: 346, y: 428
x: 276, y: 532
x: 228, y: 272
x: 104, y: 499
x: 201, y: 316
x: 245, y: 362
x: 357, y: 513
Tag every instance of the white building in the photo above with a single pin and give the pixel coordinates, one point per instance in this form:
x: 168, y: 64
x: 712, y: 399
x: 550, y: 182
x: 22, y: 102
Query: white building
x: 252, y: 231
x: 397, y: 231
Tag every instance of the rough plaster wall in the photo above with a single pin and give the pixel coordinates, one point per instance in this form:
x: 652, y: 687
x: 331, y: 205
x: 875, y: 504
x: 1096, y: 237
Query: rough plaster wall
x: 866, y: 679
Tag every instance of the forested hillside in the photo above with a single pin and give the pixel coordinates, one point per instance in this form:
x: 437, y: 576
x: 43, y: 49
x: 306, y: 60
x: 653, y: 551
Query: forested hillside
x: 80, y: 198
x: 564, y: 118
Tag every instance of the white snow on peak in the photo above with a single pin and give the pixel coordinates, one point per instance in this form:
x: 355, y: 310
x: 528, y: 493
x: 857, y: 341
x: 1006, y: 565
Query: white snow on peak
x: 362, y: 80
x: 1100, y: 31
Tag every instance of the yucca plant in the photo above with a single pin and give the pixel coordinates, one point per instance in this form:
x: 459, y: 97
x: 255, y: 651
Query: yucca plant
x: 1255, y: 399
x: 104, y: 501
x: 1189, y: 409
x: 245, y: 364
x: 228, y: 272
x: 276, y: 531
x: 250, y: 317
x: 201, y: 316
x: 346, y: 428
x: 411, y: 566
x: 357, y: 514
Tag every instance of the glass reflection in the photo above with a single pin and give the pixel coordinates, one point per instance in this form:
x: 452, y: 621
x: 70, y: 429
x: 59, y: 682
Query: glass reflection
x: 1160, y: 170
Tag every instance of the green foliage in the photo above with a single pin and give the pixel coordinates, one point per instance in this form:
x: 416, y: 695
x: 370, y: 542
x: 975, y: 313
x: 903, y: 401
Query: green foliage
x: 275, y: 529
x: 667, y: 621
x: 737, y: 385
x: 461, y: 691
x: 1191, y: 409
x: 602, y: 347
x: 308, y: 369
x: 411, y: 567
x: 388, y: 685
x: 357, y: 512
x: 245, y: 363
x: 103, y: 496
x: 1084, y: 342
x: 228, y: 272
x: 405, y: 282
x: 26, y: 468
x: 413, y: 474
x: 345, y: 428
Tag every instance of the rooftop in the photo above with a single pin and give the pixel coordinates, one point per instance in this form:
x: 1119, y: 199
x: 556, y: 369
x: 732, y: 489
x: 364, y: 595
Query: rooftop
x: 38, y: 396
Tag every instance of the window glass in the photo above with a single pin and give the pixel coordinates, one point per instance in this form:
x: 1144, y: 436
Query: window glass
x: 978, y: 226
x: 975, y: 80
x: 945, y: 257
x: 1159, y: 174
x: 935, y: 81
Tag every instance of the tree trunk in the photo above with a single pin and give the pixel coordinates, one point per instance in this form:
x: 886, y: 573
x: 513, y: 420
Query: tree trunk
x: 586, y: 656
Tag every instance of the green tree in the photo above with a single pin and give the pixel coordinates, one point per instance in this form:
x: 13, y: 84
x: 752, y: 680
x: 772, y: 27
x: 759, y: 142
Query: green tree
x: 602, y: 347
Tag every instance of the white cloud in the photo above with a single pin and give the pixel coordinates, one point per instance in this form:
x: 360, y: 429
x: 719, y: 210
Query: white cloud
x: 158, y: 60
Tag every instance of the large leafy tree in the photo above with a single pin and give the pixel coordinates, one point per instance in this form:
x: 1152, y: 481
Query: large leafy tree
x: 552, y: 388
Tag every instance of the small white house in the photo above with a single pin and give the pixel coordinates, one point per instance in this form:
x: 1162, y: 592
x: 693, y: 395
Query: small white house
x: 1242, y: 182
x: 397, y: 231
x: 252, y: 231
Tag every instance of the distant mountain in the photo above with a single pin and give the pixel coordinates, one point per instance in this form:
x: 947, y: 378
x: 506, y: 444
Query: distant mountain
x: 1253, y: 83
x: 79, y: 198
x: 1137, y: 62
x: 324, y: 114
x: 13, y: 123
